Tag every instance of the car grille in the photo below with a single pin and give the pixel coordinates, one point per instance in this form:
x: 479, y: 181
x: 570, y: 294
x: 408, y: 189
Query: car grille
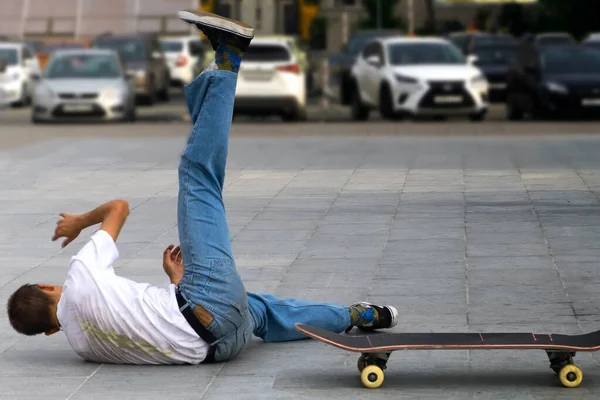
x: 443, y: 89
x: 95, y: 111
x: 86, y: 96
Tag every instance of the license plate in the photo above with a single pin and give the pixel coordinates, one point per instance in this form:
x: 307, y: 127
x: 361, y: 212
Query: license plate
x: 497, y: 85
x: 448, y: 99
x: 77, y: 107
x: 258, y: 75
x: 590, y: 102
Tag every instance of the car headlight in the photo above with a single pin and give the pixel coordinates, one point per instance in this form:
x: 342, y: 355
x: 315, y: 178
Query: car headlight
x: 405, y: 79
x: 112, y: 93
x: 44, y: 93
x: 556, y: 87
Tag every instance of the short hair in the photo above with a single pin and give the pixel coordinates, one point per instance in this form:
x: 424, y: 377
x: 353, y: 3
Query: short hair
x: 29, y: 310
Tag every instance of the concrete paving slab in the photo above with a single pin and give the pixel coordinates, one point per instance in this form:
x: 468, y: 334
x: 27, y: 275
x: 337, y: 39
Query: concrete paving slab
x: 460, y: 233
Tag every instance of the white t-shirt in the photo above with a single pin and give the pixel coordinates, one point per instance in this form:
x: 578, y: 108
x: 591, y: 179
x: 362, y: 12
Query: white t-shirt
x: 111, y: 319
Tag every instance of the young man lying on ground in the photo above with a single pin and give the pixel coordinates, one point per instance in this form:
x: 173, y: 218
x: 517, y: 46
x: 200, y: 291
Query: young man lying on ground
x: 205, y: 314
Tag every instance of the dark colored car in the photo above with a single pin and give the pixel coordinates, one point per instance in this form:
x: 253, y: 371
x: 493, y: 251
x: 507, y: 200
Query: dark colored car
x: 341, y: 63
x: 554, y: 80
x: 466, y: 41
x: 144, y: 58
x: 495, y: 60
x: 550, y: 38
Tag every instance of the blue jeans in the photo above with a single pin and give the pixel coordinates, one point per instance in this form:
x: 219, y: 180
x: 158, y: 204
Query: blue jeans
x: 210, y: 278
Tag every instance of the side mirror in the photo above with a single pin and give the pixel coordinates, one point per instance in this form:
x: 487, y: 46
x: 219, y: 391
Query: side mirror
x: 472, y: 59
x: 374, y: 61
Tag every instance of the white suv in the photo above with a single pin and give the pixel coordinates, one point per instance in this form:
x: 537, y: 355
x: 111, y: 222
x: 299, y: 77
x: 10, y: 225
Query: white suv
x: 271, y: 81
x: 182, y: 54
x: 416, y: 76
x: 17, y: 81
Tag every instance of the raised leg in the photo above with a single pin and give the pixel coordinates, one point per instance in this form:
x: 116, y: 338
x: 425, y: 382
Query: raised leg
x: 211, y: 285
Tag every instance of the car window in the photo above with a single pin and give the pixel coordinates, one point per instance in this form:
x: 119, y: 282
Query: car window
x: 570, y: 60
x: 72, y: 66
x: 171, y: 46
x: 128, y: 49
x: 196, y: 49
x: 496, y: 55
x: 10, y: 56
x: 424, y: 53
x: 267, y: 53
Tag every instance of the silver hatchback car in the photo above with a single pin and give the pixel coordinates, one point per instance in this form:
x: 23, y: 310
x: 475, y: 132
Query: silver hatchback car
x: 84, y: 84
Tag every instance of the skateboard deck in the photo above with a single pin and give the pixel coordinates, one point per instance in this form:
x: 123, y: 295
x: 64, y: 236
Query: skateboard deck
x: 376, y: 348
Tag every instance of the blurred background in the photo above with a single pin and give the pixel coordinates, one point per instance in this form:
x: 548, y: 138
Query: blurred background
x: 56, y: 55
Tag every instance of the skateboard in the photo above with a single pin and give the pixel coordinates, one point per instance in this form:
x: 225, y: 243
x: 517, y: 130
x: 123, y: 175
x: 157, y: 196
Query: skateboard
x: 376, y: 348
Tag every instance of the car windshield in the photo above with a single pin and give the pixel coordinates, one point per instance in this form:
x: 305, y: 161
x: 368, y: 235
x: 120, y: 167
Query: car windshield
x: 10, y: 56
x: 424, y: 53
x: 358, y: 42
x: 51, y: 48
x: 128, y: 49
x: 501, y: 55
x: 267, y: 53
x: 77, y: 66
x: 171, y: 46
x: 571, y: 60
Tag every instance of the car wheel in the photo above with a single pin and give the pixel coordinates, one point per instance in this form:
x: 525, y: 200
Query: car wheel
x: 513, y: 113
x: 299, y: 114
x: 386, y: 102
x: 358, y: 111
x: 480, y: 116
x: 131, y: 116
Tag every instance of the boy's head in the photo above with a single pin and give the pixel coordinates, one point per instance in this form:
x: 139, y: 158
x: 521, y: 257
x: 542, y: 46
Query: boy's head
x: 32, y: 309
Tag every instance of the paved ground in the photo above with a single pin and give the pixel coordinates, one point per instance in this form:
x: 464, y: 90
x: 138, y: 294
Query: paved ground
x: 462, y: 233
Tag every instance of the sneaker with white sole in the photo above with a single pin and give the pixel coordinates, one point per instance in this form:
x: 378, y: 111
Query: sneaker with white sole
x: 220, y: 30
x: 368, y: 317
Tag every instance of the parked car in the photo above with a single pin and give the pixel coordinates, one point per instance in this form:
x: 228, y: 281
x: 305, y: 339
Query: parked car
x: 270, y: 81
x: 341, y: 63
x: 557, y: 80
x: 550, y: 38
x: 43, y: 54
x: 83, y: 84
x: 592, y: 40
x: 494, y: 59
x: 21, y: 64
x: 182, y: 54
x: 416, y: 76
x: 143, y: 57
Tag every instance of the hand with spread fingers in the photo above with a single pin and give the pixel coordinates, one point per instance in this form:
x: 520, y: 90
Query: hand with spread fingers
x: 173, y: 263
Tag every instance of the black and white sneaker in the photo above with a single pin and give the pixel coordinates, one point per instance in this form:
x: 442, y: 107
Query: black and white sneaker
x: 368, y: 317
x: 220, y: 30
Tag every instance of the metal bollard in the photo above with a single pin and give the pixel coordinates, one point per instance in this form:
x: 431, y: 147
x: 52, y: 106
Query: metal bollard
x: 325, y: 84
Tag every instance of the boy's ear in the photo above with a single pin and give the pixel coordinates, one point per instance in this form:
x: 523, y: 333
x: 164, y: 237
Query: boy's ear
x: 52, y: 331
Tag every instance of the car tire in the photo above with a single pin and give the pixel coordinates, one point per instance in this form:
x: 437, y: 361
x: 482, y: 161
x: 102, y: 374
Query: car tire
x: 25, y: 99
x: 478, y: 117
x: 131, y: 116
x: 299, y: 114
x: 386, y: 102
x: 358, y: 111
x: 513, y: 113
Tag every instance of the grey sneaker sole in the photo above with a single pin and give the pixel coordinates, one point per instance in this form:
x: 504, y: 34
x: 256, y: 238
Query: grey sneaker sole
x: 217, y: 22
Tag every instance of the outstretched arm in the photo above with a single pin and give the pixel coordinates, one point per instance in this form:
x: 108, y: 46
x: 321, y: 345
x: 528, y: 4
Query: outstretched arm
x: 112, y: 215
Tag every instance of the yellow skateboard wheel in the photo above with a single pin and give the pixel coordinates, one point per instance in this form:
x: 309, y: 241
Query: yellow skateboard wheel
x: 570, y: 376
x: 371, y: 376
